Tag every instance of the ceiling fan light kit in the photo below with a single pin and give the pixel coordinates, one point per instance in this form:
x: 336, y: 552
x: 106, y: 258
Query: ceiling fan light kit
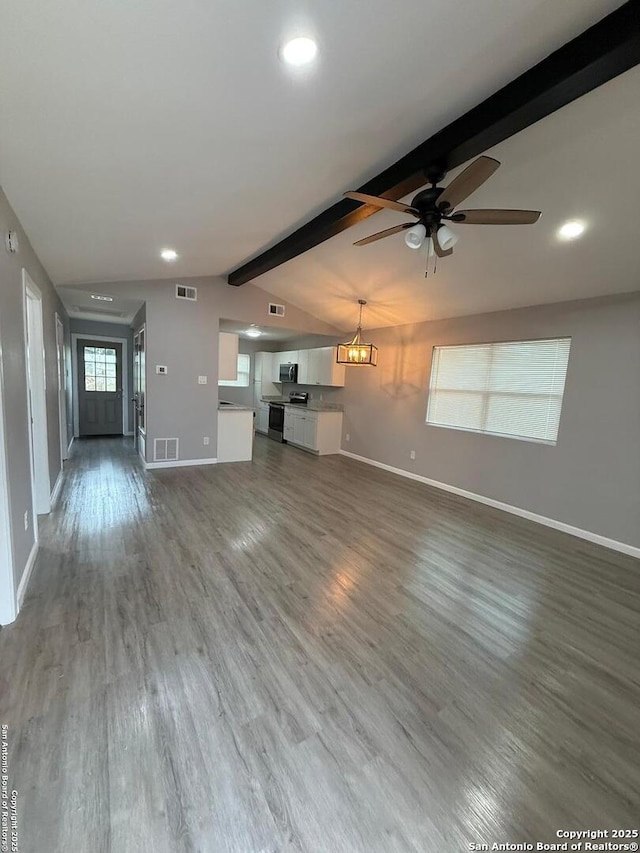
x: 436, y: 205
x: 414, y: 238
x: 356, y: 351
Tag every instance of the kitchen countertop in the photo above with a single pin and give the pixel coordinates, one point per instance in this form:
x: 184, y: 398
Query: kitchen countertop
x: 312, y: 405
x: 233, y: 407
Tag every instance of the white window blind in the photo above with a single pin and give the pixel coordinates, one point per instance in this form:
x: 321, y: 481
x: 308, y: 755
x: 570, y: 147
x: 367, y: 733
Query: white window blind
x: 244, y: 370
x: 513, y: 389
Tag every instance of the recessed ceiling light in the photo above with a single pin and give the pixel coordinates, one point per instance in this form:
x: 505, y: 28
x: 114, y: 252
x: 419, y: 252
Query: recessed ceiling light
x: 169, y: 255
x: 102, y: 298
x: 570, y: 230
x: 299, y: 51
x: 253, y: 333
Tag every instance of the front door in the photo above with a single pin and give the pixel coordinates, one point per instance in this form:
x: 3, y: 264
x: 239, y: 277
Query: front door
x: 100, y: 387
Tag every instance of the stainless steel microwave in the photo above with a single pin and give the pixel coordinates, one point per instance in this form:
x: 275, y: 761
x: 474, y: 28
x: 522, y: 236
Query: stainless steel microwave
x: 288, y: 373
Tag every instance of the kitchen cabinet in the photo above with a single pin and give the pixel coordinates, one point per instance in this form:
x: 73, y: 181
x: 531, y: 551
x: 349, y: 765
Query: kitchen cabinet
x: 235, y: 435
x: 227, y: 356
x: 262, y: 381
x: 320, y: 432
x: 321, y: 368
x: 262, y: 418
x: 263, y: 366
x: 288, y: 430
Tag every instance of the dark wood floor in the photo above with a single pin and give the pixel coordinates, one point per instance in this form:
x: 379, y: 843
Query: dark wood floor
x: 302, y: 654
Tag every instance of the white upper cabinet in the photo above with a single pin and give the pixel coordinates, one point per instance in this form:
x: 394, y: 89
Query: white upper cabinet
x: 227, y: 356
x: 322, y: 368
x: 263, y: 366
x: 315, y: 366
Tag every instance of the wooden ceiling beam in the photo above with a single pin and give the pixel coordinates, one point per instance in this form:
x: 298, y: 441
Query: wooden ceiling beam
x: 605, y: 50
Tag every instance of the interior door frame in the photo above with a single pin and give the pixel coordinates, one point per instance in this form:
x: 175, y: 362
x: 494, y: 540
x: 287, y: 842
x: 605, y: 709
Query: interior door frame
x: 8, y: 601
x: 126, y: 402
x: 36, y: 385
x: 62, y: 389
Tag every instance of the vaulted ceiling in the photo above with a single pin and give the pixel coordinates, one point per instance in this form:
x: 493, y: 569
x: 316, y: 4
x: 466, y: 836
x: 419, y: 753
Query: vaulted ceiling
x: 126, y: 127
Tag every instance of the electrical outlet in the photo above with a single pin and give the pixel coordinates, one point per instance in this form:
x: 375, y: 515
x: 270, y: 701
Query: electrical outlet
x: 202, y: 380
x: 347, y: 437
x: 205, y: 440
x: 413, y: 454
x: 26, y: 520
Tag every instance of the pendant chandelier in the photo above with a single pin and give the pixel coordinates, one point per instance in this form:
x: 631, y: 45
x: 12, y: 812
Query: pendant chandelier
x: 355, y: 351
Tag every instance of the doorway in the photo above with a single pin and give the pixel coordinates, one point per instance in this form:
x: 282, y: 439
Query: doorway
x: 100, y: 387
x: 62, y: 390
x: 36, y: 399
x: 100, y: 342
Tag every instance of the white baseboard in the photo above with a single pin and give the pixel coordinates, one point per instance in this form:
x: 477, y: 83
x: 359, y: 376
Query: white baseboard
x: 24, y: 581
x: 180, y: 463
x: 56, y: 488
x: 613, y: 544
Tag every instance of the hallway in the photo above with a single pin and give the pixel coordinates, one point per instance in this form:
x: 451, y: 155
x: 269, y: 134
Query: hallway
x: 252, y: 658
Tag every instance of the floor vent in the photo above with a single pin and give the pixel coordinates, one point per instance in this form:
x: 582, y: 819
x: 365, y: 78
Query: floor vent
x: 184, y: 292
x: 165, y: 449
x: 276, y: 310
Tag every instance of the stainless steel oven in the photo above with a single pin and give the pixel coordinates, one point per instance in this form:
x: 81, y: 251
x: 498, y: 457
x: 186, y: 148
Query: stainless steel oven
x: 276, y: 421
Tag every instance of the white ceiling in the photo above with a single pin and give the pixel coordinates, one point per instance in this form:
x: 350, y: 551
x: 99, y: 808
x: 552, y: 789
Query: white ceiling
x: 81, y: 306
x: 126, y: 127
x: 268, y: 333
x: 579, y: 163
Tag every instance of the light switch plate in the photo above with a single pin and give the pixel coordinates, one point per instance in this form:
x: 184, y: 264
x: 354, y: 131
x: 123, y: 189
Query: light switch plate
x: 202, y: 380
x: 161, y: 369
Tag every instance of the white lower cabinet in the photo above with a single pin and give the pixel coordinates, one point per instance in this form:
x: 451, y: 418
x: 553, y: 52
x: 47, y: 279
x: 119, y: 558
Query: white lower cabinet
x: 288, y: 431
x: 262, y: 418
x: 320, y: 432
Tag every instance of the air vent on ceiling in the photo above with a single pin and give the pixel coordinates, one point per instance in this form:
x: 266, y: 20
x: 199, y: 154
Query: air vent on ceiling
x: 184, y: 292
x: 165, y: 449
x: 276, y: 310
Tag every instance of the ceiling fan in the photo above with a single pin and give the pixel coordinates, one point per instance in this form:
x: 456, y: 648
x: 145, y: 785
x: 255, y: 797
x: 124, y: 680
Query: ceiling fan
x: 435, y: 206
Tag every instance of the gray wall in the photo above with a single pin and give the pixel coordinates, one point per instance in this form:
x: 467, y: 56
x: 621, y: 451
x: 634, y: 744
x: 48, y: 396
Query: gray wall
x: 184, y: 336
x: 590, y: 480
x: 14, y: 378
x: 113, y: 330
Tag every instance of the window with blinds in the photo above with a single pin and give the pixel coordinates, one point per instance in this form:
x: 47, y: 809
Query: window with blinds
x: 244, y: 371
x: 512, y: 389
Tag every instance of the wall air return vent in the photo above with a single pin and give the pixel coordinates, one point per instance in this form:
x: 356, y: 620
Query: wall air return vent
x: 184, y: 292
x: 165, y: 449
x: 276, y: 310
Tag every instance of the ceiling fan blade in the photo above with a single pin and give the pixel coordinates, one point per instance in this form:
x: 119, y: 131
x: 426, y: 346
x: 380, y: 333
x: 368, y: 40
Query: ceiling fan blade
x: 440, y: 252
x: 386, y: 233
x: 376, y: 201
x: 496, y: 217
x: 467, y: 181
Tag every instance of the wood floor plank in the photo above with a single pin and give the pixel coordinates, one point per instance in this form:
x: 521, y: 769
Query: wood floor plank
x: 248, y: 658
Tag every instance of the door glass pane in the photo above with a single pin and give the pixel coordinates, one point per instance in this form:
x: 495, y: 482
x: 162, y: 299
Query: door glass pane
x: 99, y: 352
x: 111, y: 370
x: 99, y: 369
x: 89, y: 368
x: 89, y: 383
x: 100, y: 383
x: 111, y: 383
x: 89, y: 353
x: 110, y: 355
